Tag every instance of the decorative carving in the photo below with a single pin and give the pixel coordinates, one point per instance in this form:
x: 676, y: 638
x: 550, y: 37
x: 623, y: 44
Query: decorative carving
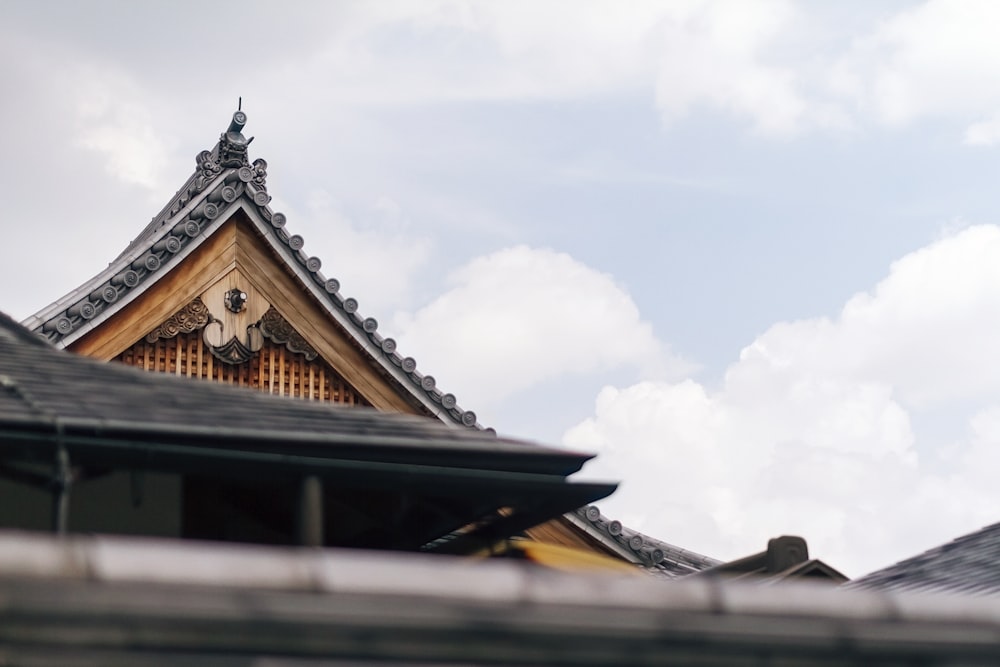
x: 232, y: 143
x: 231, y: 152
x: 190, y: 318
x: 277, y: 328
x: 233, y: 352
x: 208, y: 165
x: 260, y: 173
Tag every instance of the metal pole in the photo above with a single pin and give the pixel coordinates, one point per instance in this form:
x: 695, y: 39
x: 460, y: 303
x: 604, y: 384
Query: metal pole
x: 311, y: 512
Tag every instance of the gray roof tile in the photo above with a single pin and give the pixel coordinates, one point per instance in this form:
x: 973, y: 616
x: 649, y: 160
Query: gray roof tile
x: 968, y: 564
x: 661, y: 557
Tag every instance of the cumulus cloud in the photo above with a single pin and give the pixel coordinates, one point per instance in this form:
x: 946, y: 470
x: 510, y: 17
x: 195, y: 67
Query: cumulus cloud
x: 552, y: 314
x: 874, y: 435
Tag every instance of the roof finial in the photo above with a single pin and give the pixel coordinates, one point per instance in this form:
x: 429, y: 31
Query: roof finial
x: 232, y: 143
x: 239, y: 106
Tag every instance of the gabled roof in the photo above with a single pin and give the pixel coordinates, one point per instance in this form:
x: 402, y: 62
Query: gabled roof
x: 109, y: 415
x: 967, y: 564
x: 224, y: 183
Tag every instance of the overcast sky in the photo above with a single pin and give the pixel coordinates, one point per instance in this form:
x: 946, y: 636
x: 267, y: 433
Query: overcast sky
x: 745, y: 251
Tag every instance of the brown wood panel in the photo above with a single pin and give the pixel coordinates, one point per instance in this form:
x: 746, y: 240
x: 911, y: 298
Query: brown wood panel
x: 209, y: 271
x: 257, y: 262
x: 563, y: 533
x: 187, y: 354
x: 212, y: 260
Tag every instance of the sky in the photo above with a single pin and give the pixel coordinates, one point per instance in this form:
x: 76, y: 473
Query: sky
x: 745, y: 251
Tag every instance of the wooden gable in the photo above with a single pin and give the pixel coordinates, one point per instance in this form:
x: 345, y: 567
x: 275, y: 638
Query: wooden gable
x: 180, y: 323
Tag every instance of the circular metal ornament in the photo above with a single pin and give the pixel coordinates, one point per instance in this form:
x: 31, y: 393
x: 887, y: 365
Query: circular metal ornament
x: 235, y: 300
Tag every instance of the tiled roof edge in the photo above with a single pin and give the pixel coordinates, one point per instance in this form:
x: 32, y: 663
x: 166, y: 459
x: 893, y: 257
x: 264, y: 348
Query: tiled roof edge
x: 650, y: 552
x: 364, y: 329
x: 208, y: 195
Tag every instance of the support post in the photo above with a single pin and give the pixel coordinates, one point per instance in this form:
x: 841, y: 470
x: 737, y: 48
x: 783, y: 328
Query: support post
x: 61, y: 483
x: 311, y: 512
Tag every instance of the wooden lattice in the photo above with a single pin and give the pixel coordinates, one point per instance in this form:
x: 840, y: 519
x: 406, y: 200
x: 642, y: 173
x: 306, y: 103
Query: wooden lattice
x: 273, y: 369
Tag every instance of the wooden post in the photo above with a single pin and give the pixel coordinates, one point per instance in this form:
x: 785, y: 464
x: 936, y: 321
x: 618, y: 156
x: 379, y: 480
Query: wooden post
x: 62, y: 481
x: 311, y: 512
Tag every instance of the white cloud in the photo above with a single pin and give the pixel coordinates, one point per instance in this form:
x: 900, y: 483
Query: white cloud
x: 983, y: 133
x: 713, y: 56
x: 112, y: 122
x: 521, y: 316
x: 936, y: 59
x: 859, y: 433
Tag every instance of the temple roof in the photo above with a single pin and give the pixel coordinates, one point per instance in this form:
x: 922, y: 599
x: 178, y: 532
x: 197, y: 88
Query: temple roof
x: 224, y: 182
x: 967, y: 564
x: 109, y: 415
